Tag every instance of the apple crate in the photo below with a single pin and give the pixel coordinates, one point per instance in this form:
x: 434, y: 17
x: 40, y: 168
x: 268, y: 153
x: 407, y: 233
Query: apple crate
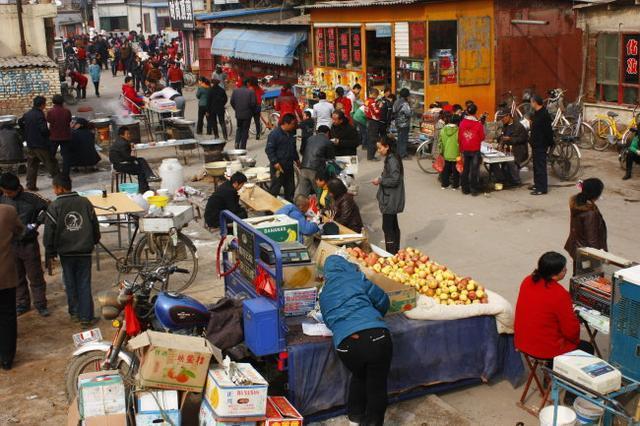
x: 179, y: 218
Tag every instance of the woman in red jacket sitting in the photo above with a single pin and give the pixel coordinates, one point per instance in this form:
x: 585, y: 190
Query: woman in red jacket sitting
x: 545, y: 324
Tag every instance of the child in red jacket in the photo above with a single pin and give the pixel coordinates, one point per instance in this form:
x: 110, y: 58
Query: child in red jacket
x: 545, y: 324
x: 470, y: 137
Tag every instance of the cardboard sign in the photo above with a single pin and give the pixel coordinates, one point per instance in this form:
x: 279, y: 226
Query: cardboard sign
x: 230, y: 400
x: 172, y: 361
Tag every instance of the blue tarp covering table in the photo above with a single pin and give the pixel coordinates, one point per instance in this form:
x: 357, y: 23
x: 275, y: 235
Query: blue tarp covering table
x: 271, y: 47
x: 424, y: 353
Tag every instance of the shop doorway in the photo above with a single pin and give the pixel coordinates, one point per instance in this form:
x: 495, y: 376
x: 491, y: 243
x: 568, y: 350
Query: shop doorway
x: 378, y: 56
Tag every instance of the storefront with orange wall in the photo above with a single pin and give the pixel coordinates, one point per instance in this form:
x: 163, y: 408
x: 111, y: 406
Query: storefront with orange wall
x: 441, y: 51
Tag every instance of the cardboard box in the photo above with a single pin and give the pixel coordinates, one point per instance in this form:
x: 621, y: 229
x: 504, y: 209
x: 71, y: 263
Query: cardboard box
x: 279, y: 227
x: 158, y: 408
x: 173, y: 361
x: 73, y: 414
x: 401, y: 297
x: 110, y: 420
x: 166, y: 418
x: 230, y: 400
x: 207, y: 417
x: 300, y: 301
x: 101, y: 394
x: 280, y: 412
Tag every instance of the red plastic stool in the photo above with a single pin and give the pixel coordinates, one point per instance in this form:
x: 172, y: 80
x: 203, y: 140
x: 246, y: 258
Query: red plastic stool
x: 534, y: 363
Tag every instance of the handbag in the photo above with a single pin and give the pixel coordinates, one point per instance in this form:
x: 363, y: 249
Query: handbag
x: 438, y: 164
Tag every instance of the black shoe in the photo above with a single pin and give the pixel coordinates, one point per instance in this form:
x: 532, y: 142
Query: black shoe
x: 74, y: 318
x: 154, y: 179
x: 531, y: 188
x: 44, y: 312
x: 88, y: 323
x: 475, y: 194
x: 6, y: 365
x: 22, y: 310
x: 627, y: 176
x: 513, y: 185
x: 536, y: 192
x: 466, y: 192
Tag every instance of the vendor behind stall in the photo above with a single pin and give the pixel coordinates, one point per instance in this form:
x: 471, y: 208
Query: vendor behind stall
x: 297, y: 212
x: 353, y: 308
x: 225, y: 197
x: 545, y: 324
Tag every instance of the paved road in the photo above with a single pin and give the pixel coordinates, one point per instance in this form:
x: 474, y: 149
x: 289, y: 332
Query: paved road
x: 496, y: 238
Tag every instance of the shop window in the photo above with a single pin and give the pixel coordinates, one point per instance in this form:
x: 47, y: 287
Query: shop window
x: 114, y: 23
x: 618, y: 65
x: 443, y: 52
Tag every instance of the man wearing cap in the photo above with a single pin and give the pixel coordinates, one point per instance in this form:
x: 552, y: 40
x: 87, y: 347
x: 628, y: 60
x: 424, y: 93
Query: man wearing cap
x: 515, y: 137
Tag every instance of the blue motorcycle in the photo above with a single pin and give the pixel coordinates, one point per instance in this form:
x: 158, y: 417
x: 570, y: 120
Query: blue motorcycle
x: 162, y: 311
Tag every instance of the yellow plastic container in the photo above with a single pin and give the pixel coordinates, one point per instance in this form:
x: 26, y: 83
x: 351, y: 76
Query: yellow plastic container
x: 158, y: 200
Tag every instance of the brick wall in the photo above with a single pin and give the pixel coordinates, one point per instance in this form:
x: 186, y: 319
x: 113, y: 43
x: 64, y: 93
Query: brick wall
x: 18, y: 87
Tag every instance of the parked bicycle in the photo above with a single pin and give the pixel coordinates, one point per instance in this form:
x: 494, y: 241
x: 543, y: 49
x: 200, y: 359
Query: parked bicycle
x: 517, y: 110
x: 162, y: 311
x: 564, y: 157
x: 426, y: 154
x: 579, y: 128
x: 609, y: 132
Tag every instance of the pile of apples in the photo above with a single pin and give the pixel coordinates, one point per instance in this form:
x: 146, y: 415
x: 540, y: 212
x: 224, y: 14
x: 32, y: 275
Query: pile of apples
x: 413, y: 268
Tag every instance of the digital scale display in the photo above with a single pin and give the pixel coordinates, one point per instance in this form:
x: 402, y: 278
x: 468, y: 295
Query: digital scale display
x: 292, y: 252
x: 598, y: 369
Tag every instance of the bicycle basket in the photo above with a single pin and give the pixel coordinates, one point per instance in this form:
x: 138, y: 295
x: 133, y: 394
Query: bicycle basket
x: 573, y: 110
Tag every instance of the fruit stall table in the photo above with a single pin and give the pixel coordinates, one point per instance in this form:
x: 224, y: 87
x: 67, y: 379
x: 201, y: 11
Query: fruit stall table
x: 428, y: 356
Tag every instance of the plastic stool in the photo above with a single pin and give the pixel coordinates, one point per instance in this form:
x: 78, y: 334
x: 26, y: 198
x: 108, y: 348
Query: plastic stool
x: 117, y: 178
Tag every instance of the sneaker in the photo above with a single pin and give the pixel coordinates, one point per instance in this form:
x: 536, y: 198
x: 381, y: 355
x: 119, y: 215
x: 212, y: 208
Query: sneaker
x: 44, y: 312
x: 531, y: 188
x: 22, y: 310
x: 443, y: 187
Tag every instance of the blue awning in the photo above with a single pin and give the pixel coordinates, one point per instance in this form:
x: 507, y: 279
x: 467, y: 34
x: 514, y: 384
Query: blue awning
x: 271, y: 47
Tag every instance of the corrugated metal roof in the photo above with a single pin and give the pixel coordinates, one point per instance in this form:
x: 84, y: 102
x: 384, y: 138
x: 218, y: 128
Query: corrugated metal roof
x: 301, y: 20
x: 356, y: 3
x: 154, y: 5
x: 27, y: 61
x: 238, y: 12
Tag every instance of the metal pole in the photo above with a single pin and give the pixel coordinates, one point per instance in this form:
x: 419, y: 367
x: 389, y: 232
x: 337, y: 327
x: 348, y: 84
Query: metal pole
x: 141, y: 20
x: 23, y: 45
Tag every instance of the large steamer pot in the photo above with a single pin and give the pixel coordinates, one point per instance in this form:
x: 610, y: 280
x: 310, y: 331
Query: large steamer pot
x: 10, y: 120
x: 212, y: 149
x: 234, y: 154
x: 103, y: 130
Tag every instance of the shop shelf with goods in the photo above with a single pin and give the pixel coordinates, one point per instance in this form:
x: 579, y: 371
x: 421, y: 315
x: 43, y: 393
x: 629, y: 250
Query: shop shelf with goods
x: 410, y: 75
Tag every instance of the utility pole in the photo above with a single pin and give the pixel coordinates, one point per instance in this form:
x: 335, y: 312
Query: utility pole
x: 141, y: 20
x: 23, y: 45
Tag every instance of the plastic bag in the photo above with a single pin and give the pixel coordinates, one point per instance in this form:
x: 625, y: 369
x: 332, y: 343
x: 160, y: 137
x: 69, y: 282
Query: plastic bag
x: 438, y: 164
x: 131, y: 320
x: 459, y: 164
x: 264, y: 283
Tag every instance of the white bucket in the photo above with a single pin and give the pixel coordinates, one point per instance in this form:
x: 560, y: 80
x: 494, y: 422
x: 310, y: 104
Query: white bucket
x: 587, y: 413
x: 172, y: 175
x: 566, y: 416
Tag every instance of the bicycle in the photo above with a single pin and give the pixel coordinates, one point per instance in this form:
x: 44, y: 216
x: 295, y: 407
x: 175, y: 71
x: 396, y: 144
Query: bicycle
x: 425, y: 155
x: 609, y: 132
x: 564, y: 157
x: 517, y: 110
x: 579, y: 128
x: 154, y: 250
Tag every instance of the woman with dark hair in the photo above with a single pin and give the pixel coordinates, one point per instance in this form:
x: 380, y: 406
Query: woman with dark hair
x: 545, y: 324
x: 82, y: 149
x: 587, y: 226
x: 345, y: 210
x: 391, y: 197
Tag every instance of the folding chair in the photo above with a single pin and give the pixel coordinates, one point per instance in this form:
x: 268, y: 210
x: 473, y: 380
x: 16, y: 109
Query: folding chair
x: 533, y: 364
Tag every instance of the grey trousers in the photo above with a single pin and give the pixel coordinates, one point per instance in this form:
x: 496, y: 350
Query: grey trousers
x: 306, y: 182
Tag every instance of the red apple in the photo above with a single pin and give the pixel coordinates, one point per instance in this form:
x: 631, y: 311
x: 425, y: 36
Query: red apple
x: 472, y: 295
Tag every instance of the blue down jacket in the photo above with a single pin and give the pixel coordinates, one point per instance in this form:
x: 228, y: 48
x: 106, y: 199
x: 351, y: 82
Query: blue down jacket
x: 349, y: 301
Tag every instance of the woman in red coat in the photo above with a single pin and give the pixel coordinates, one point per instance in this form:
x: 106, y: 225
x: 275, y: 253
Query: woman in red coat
x: 545, y: 324
x: 287, y: 103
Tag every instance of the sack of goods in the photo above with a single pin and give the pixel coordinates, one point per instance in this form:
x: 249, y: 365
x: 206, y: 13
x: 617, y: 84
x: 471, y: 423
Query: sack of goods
x: 162, y: 104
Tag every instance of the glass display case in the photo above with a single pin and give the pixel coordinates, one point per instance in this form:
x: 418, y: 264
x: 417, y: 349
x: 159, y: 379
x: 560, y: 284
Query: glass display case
x: 410, y: 75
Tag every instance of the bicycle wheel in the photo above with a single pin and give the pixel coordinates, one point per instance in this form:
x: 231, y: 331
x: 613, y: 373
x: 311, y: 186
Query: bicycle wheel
x: 565, y: 161
x: 425, y: 157
x: 585, y: 135
x: 602, y: 131
x: 161, y: 251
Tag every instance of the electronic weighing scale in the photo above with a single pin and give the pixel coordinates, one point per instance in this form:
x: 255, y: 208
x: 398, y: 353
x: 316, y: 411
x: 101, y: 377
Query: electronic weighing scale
x: 588, y: 370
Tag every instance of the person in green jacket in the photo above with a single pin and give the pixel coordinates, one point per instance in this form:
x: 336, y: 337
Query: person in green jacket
x: 633, y: 154
x: 203, y: 96
x: 360, y: 121
x: 450, y: 150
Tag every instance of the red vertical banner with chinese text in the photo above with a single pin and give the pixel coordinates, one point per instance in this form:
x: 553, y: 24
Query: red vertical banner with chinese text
x: 332, y: 54
x: 344, y: 54
x: 631, y: 57
x: 321, y: 47
x: 417, y: 39
x: 356, y: 48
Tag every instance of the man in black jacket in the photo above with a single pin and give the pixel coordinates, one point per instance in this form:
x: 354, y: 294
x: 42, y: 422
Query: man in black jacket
x: 243, y: 101
x: 225, y: 197
x: 30, y: 208
x: 345, y: 136
x: 122, y: 160
x: 71, y: 232
x: 282, y: 154
x: 317, y: 152
x: 216, y: 103
x: 36, y: 133
x: 541, y: 140
x: 514, y: 137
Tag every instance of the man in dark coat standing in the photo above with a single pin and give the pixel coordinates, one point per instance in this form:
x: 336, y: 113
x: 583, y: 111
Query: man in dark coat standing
x: 317, y: 152
x: 36, y: 133
x: 541, y: 140
x: 59, y: 119
x: 282, y: 153
x: 216, y: 102
x: 10, y: 229
x: 225, y: 198
x: 243, y: 101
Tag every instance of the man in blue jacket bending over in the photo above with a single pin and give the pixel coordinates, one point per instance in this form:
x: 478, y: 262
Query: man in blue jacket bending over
x: 297, y: 212
x: 353, y: 308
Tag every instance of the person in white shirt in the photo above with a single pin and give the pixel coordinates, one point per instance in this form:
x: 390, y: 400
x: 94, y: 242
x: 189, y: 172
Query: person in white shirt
x: 322, y: 111
x: 353, y: 96
x: 159, y: 91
